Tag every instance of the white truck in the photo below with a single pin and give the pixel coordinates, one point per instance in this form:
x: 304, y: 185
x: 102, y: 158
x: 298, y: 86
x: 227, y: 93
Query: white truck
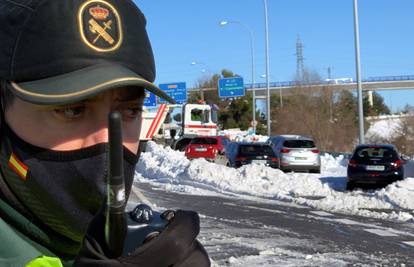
x: 176, y: 125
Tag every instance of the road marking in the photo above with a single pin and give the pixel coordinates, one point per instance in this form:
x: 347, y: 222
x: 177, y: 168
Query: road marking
x: 380, y: 232
x: 346, y: 221
x: 321, y: 213
x: 268, y: 210
x: 141, y: 196
x: 256, y: 208
x: 410, y: 243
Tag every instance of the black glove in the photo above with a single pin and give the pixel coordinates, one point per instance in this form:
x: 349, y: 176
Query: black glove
x: 175, y: 246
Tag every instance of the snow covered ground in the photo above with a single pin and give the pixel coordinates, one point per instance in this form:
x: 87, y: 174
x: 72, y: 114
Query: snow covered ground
x: 386, y: 128
x: 172, y: 171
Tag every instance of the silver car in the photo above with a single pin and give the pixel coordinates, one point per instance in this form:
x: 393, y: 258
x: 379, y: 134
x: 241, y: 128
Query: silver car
x: 296, y: 153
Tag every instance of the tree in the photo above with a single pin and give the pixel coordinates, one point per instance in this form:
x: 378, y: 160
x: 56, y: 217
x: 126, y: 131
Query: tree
x: 329, y: 117
x: 378, y: 108
x: 408, y: 109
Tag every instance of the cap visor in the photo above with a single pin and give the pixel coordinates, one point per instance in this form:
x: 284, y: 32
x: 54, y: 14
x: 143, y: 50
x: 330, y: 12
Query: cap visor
x: 81, y: 84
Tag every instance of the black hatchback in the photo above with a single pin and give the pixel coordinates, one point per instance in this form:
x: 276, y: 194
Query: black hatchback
x: 374, y: 165
x: 242, y: 153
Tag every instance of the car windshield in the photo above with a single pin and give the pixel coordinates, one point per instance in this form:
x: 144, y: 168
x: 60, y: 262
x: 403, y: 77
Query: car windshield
x: 254, y: 150
x: 299, y: 144
x: 205, y: 141
x: 381, y: 153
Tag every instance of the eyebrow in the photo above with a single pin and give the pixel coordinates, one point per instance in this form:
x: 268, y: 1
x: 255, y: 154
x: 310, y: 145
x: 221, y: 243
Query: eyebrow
x: 123, y: 96
x: 52, y: 107
x: 130, y: 95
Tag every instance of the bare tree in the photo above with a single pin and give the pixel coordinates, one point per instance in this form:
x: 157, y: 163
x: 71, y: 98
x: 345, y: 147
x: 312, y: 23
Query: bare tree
x: 316, y: 113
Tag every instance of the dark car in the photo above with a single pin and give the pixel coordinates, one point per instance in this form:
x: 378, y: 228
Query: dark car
x: 374, y: 165
x: 242, y: 153
x: 208, y: 147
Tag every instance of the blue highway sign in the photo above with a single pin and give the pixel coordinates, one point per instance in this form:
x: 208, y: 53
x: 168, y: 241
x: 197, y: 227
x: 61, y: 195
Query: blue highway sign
x: 150, y: 99
x: 178, y: 91
x: 231, y: 87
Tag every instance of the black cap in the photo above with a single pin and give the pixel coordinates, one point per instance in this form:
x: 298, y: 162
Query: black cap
x: 57, y: 52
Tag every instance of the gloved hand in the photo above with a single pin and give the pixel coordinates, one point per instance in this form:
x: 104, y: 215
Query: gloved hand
x: 175, y: 246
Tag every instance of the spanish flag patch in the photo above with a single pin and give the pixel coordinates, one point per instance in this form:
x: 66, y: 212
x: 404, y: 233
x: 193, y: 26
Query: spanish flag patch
x: 17, y: 166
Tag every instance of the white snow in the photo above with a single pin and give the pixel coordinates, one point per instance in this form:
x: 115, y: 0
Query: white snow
x: 247, y: 136
x: 385, y: 128
x: 172, y: 171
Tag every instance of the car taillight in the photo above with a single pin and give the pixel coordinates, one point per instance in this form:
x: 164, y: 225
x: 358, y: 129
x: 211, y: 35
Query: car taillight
x: 241, y: 158
x: 187, y: 150
x: 214, y: 151
x: 316, y: 151
x: 284, y: 150
x: 274, y: 159
x: 396, y: 164
x: 352, y: 163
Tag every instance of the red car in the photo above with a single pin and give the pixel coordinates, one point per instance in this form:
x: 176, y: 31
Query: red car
x: 208, y: 147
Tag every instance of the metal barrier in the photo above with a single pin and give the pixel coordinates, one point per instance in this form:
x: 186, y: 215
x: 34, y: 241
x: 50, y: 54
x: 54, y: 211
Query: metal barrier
x: 333, y: 81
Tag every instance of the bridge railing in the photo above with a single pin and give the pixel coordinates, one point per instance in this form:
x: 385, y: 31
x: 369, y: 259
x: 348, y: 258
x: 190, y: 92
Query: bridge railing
x: 333, y: 81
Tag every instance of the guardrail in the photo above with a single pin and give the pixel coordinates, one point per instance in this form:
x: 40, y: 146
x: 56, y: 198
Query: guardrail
x: 333, y: 81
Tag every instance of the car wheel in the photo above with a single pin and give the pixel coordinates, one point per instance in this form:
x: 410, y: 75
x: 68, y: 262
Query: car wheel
x: 220, y: 159
x: 350, y: 186
x: 315, y: 171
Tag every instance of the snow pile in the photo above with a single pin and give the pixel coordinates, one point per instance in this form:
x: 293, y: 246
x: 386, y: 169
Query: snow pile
x: 173, y: 171
x: 384, y: 129
x: 238, y: 135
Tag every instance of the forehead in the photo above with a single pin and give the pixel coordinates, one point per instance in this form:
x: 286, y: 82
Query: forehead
x: 124, y: 94
x: 121, y: 94
x: 128, y: 93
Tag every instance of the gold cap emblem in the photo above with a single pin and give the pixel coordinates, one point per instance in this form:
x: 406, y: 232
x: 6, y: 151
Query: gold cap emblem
x: 100, y: 26
x: 99, y: 13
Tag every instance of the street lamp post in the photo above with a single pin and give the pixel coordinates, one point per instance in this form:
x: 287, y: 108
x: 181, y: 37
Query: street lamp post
x: 358, y: 74
x: 201, y: 89
x: 223, y: 23
x: 267, y: 70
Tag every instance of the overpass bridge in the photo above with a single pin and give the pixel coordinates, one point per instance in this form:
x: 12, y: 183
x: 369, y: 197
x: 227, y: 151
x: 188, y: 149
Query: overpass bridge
x: 371, y: 84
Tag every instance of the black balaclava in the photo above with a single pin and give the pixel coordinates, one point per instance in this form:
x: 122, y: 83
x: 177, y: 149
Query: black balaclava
x: 61, y: 189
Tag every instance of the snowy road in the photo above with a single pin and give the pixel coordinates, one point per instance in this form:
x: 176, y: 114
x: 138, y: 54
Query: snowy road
x: 275, y: 233
x: 258, y: 216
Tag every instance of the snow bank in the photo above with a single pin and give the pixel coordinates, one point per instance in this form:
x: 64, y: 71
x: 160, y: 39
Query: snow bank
x: 246, y: 136
x: 326, y: 191
x: 384, y: 129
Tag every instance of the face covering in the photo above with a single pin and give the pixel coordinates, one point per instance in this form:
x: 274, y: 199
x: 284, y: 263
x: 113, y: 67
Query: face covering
x: 62, y: 189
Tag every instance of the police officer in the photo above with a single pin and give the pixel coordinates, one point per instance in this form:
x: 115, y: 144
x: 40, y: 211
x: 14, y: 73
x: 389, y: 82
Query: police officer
x: 64, y: 65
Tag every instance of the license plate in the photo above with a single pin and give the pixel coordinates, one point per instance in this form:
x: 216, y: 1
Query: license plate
x: 375, y: 168
x: 259, y: 161
x: 200, y: 149
x: 301, y: 158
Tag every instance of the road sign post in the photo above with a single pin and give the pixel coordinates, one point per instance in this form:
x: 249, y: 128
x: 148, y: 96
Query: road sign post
x: 231, y: 87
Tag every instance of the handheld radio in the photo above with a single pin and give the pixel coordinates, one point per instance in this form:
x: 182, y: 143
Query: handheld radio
x: 115, y: 219
x: 124, y: 232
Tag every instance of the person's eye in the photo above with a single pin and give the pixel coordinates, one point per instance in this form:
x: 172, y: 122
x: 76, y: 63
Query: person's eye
x: 70, y: 113
x: 130, y: 113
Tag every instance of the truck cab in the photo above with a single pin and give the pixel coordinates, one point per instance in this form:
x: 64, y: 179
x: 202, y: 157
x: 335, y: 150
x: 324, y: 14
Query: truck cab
x: 176, y: 125
x: 183, y: 122
x: 199, y: 120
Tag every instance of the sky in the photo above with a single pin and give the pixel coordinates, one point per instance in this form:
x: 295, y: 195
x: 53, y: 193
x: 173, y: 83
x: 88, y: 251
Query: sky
x: 185, y: 31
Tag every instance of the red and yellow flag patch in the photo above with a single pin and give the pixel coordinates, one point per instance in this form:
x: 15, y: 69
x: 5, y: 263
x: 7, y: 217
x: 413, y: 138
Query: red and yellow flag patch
x: 18, y: 167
